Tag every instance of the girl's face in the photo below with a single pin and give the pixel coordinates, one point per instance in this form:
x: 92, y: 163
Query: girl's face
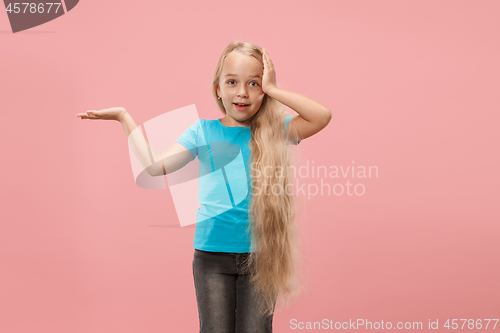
x: 240, y: 83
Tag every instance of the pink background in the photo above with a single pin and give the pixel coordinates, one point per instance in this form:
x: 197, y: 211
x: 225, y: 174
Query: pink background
x: 413, y: 86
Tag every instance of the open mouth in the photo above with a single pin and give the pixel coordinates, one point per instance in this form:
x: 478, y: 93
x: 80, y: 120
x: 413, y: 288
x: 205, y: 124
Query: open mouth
x: 241, y: 107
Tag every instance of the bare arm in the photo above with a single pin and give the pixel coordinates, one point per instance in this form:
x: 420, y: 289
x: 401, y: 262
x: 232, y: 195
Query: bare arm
x: 171, y: 159
x: 313, y: 116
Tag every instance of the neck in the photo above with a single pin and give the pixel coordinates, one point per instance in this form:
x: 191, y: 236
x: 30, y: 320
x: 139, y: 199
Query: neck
x: 231, y: 122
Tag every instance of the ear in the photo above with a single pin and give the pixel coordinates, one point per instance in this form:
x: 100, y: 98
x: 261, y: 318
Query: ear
x: 218, y: 91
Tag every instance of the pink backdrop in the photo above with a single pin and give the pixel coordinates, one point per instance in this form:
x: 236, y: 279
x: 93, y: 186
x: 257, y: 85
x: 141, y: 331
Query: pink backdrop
x: 413, y: 87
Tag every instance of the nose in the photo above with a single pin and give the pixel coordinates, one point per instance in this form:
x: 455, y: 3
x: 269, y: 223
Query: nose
x: 242, y: 92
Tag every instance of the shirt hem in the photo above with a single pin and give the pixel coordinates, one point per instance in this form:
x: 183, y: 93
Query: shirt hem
x: 222, y: 249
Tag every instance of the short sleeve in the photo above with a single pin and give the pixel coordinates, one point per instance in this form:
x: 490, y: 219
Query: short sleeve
x: 287, y: 120
x: 190, y: 138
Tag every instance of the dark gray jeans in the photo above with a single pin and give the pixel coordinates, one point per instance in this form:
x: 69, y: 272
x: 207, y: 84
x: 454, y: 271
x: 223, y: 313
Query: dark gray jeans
x: 226, y: 300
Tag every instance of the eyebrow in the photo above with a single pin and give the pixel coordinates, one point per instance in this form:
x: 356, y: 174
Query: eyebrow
x: 237, y: 75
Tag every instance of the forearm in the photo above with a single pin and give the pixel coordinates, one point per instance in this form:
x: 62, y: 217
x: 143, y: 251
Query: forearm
x: 146, y: 154
x: 306, y: 107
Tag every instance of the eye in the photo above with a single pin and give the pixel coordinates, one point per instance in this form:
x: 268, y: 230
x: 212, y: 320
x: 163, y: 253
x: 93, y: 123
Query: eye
x: 255, y: 83
x: 229, y: 81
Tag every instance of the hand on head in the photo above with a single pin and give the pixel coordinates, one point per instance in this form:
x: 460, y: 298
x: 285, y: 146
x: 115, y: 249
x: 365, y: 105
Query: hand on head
x: 269, y: 74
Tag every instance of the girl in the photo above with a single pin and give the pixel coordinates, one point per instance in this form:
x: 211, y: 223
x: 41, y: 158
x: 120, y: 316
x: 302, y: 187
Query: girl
x: 247, y: 256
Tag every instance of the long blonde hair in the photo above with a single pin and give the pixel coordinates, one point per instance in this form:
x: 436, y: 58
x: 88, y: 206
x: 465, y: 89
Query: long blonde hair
x: 275, y: 264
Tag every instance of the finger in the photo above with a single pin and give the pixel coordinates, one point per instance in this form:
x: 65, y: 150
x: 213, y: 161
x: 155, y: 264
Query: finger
x: 268, y: 64
x: 271, y: 65
x: 269, y: 61
x: 90, y: 115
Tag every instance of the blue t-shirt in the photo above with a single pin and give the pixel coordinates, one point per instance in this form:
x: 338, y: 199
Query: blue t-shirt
x: 224, y: 184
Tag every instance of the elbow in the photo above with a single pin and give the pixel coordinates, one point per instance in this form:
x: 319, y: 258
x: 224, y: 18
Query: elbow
x: 150, y: 172
x: 327, y: 116
x: 154, y: 170
x: 153, y: 174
